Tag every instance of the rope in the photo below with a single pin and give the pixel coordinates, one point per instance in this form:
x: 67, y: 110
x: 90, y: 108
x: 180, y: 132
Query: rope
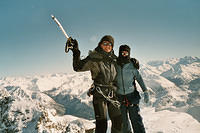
x: 114, y: 102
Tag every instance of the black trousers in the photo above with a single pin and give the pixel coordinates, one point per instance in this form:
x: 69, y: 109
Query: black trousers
x: 135, y: 117
x: 101, y: 107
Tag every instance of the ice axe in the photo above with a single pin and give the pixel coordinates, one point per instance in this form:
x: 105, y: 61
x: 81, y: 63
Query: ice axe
x: 68, y: 46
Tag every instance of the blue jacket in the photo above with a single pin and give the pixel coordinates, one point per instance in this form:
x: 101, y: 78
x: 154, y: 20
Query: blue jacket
x: 124, y: 79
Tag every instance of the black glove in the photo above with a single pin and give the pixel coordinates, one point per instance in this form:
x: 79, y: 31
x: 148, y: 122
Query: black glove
x: 135, y: 63
x: 71, y: 44
x: 91, y: 90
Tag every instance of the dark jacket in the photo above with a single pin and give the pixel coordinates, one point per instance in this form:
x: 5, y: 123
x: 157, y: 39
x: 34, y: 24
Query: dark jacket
x: 99, y: 63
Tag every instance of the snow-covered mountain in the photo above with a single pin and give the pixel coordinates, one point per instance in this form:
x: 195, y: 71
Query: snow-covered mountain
x: 174, y: 84
x: 26, y: 106
x: 59, y: 102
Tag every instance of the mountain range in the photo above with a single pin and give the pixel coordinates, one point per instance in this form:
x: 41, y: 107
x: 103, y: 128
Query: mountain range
x: 59, y: 102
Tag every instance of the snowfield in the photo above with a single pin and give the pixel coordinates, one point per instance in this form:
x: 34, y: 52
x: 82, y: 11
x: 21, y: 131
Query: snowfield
x: 59, y: 102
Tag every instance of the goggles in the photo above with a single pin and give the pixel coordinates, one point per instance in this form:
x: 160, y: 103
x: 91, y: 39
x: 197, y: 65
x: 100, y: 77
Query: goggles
x: 125, y: 53
x: 107, y: 44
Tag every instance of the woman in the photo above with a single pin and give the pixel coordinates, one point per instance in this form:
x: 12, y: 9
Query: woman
x: 126, y: 90
x: 101, y: 64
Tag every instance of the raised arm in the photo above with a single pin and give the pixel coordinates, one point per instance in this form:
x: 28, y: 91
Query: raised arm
x: 78, y: 64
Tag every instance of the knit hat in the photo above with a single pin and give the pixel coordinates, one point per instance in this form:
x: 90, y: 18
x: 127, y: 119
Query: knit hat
x: 124, y: 48
x: 108, y: 38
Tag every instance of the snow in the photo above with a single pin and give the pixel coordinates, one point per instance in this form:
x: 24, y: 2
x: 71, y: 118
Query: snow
x: 59, y: 102
x: 169, y: 122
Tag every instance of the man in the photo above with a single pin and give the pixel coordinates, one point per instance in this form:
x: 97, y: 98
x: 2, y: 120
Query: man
x: 101, y: 63
x: 126, y: 90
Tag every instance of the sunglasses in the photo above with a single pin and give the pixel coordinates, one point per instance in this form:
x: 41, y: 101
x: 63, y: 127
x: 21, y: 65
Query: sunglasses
x: 107, y: 44
x: 125, y: 54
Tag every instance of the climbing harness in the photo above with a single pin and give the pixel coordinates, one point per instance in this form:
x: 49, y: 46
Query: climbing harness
x: 108, y: 98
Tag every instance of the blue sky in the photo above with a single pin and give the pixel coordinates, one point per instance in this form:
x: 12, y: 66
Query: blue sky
x: 31, y: 43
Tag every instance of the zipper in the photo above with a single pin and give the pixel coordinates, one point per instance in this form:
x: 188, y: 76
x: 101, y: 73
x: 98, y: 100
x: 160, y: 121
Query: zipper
x: 122, y: 79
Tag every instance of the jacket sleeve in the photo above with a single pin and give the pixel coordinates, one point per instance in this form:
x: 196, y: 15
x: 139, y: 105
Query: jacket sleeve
x: 140, y: 80
x: 80, y: 65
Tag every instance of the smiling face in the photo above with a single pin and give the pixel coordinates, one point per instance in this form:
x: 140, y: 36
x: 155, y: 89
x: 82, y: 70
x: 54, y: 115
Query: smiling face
x: 106, y: 46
